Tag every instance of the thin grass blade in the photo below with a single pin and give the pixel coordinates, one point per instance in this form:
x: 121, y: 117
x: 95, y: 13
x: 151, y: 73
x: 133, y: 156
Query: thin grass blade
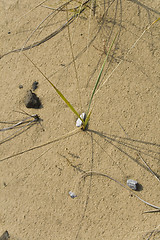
x: 98, y: 79
x: 87, y: 119
x: 59, y: 93
x: 158, y: 19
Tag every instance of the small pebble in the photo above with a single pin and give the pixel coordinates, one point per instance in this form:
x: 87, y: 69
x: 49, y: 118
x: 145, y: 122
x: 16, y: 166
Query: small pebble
x: 132, y: 184
x: 34, y: 85
x: 20, y: 86
x: 72, y: 194
x: 5, y: 185
x: 79, y: 122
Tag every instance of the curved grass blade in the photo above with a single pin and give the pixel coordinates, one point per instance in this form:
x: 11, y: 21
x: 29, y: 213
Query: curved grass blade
x: 105, y: 175
x: 36, y: 44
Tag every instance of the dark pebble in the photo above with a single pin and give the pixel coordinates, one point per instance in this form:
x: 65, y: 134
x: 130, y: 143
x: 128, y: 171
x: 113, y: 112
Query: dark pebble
x: 31, y: 100
x: 20, y: 86
x: 34, y: 85
x: 5, y: 236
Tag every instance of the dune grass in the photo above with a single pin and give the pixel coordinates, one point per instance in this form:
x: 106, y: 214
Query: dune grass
x: 84, y: 122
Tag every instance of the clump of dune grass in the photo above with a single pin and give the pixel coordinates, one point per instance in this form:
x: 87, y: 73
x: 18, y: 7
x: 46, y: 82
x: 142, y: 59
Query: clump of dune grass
x: 84, y: 122
x: 77, y: 13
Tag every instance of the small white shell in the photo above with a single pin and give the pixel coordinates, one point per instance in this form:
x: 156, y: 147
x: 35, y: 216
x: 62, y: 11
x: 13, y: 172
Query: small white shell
x: 79, y: 122
x: 72, y: 194
x: 132, y: 184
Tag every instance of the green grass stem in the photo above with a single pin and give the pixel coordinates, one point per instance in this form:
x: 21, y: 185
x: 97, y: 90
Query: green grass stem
x: 99, y: 76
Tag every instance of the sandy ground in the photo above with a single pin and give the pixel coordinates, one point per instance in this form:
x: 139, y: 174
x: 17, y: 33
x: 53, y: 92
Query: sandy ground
x: 124, y: 124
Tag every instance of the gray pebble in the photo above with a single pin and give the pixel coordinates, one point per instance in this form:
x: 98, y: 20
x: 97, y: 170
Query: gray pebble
x: 132, y: 184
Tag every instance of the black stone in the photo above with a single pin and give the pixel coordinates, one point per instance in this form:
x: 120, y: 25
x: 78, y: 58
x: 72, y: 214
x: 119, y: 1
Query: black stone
x: 5, y: 236
x: 31, y: 100
x: 20, y: 86
x: 34, y: 85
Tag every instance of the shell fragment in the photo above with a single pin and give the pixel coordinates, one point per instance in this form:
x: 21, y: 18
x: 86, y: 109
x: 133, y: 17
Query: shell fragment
x: 72, y: 194
x: 79, y: 122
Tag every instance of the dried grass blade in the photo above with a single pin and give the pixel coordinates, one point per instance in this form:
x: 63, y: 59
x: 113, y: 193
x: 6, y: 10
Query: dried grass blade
x: 105, y: 175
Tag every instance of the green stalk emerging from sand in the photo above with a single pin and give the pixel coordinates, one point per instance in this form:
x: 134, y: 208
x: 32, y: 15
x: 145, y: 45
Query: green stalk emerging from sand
x: 84, y: 121
x: 99, y: 76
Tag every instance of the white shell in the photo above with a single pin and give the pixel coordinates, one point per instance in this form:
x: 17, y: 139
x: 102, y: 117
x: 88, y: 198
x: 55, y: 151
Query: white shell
x: 72, y: 194
x: 132, y: 184
x: 79, y: 122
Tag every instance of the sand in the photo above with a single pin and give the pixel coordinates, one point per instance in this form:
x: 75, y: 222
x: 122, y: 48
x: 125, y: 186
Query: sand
x: 123, y: 128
